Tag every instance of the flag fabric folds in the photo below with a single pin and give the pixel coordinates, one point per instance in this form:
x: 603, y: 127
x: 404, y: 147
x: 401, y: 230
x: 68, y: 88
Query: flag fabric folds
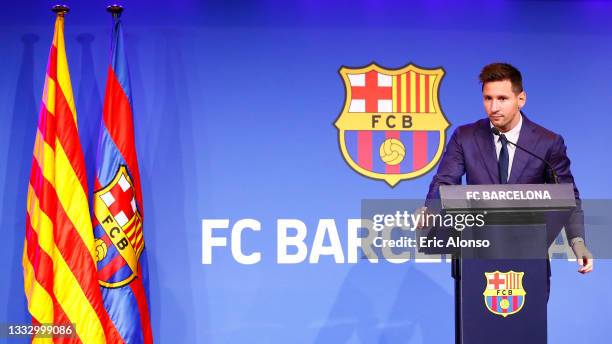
x: 117, y: 206
x: 60, y: 277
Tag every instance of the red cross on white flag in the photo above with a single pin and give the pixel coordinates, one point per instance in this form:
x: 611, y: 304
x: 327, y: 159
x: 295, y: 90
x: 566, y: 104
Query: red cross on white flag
x: 120, y: 201
x: 496, y: 281
x: 371, y: 92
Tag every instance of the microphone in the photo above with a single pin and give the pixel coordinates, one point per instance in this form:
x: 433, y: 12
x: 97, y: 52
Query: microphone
x: 502, y: 137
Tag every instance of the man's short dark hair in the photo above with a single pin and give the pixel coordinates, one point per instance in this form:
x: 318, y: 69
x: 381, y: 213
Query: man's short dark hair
x: 500, y: 72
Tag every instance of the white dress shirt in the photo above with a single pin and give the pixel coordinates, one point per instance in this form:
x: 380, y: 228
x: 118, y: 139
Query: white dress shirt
x: 512, y: 135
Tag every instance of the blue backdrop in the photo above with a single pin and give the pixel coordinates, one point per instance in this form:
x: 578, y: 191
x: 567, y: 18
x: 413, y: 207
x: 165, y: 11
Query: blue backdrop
x: 234, y: 104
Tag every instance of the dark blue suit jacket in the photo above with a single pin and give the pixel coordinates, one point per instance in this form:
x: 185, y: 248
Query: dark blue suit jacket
x: 471, y: 151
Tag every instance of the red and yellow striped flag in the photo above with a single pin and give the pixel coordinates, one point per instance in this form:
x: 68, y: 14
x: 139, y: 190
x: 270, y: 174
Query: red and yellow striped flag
x: 60, y: 277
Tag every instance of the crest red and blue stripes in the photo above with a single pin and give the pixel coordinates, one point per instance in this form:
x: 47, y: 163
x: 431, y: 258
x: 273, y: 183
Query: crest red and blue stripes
x: 127, y: 305
x: 514, y: 303
x: 420, y: 147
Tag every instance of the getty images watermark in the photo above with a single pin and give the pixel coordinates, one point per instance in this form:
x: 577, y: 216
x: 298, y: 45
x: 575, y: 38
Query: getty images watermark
x: 403, y: 229
x: 421, y: 219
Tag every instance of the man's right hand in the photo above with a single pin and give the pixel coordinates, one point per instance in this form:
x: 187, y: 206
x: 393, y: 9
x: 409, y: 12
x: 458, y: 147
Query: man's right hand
x: 583, y: 256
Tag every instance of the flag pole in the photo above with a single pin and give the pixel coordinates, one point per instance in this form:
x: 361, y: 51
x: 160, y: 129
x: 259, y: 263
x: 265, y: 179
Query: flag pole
x: 115, y: 10
x: 60, y: 10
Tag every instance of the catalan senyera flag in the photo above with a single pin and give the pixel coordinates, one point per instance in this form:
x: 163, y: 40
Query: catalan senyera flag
x: 60, y: 276
x: 118, y: 211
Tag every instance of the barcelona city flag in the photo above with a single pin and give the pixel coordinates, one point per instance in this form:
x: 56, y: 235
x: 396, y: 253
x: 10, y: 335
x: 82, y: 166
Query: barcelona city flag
x: 117, y: 205
x: 60, y: 277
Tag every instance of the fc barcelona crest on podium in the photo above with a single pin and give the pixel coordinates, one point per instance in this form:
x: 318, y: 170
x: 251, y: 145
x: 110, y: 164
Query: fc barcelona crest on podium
x: 121, y: 242
x: 504, y: 294
x: 391, y: 127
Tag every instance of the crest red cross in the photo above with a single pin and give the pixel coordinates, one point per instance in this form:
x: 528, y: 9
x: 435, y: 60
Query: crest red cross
x: 371, y: 92
x: 496, y: 281
x: 124, y: 199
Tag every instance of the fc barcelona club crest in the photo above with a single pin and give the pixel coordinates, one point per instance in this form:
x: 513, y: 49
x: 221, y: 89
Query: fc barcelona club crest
x: 391, y: 127
x: 119, y: 240
x: 504, y: 294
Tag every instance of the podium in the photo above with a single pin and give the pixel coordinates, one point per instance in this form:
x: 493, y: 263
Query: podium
x: 501, y: 291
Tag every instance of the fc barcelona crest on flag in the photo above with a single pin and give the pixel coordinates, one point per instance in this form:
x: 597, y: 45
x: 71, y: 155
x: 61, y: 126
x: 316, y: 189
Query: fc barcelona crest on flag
x: 504, y: 294
x: 119, y: 245
x: 391, y: 127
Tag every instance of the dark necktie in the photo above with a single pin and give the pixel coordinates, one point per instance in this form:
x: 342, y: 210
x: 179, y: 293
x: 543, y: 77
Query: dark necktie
x: 504, y: 160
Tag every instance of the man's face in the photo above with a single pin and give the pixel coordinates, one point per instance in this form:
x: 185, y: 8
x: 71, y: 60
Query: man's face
x: 502, y: 104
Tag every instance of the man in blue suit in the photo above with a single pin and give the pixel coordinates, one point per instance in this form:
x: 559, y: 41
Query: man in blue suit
x: 484, y: 158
